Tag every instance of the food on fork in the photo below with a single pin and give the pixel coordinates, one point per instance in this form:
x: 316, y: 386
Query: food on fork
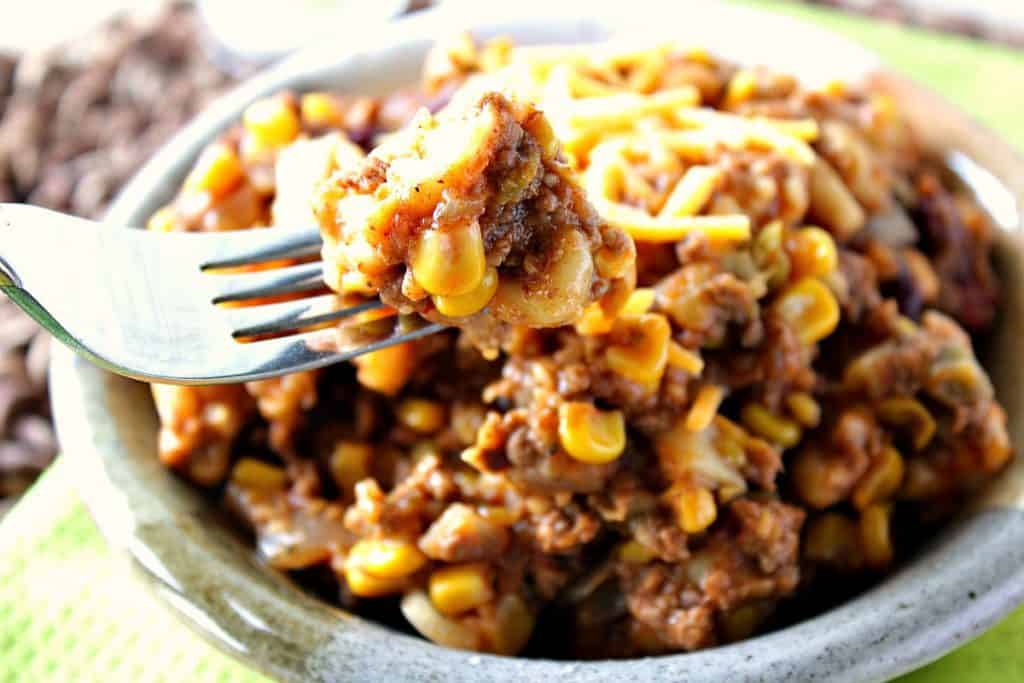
x: 757, y: 416
x: 471, y: 212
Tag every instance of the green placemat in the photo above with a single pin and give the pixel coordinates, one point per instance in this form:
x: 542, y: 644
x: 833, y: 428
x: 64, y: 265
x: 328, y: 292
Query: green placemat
x: 70, y: 611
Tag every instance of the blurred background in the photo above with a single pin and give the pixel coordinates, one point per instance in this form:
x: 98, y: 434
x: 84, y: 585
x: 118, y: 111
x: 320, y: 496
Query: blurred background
x: 89, y: 90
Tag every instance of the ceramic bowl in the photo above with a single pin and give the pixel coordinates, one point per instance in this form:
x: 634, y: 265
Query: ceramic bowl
x: 960, y: 582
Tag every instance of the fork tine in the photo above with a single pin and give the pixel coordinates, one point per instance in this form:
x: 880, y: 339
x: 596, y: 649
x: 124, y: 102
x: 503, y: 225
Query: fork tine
x: 257, y: 246
x: 304, y: 277
x: 302, y: 352
x: 286, y: 316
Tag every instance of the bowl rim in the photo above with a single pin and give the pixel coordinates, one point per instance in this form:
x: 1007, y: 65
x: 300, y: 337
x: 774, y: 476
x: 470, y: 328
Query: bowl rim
x: 829, y: 644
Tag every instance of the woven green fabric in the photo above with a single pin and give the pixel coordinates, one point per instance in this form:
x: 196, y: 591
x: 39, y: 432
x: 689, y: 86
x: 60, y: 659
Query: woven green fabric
x: 69, y: 610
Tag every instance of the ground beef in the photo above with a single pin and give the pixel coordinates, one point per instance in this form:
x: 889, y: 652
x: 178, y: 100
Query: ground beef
x: 563, y: 528
x: 956, y: 240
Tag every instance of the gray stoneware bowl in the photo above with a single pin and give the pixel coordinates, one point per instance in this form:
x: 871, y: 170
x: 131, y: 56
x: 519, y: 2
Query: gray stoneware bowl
x: 958, y: 585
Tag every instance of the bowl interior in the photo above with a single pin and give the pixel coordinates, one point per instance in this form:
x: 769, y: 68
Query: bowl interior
x: 961, y: 582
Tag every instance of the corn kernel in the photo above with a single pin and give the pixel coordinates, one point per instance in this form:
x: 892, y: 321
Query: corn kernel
x: 685, y: 359
x: 164, y: 220
x: 255, y: 474
x: 644, y: 358
x: 366, y: 585
x: 881, y: 481
x: 833, y: 540
x: 908, y: 413
x: 350, y: 463
x: 639, y: 302
x: 812, y: 253
x: 321, y: 110
x: 591, y: 435
x: 450, y: 262
x: 834, y: 88
x: 695, y: 509
x: 704, y: 407
x: 421, y: 415
x: 810, y: 308
x: 387, y: 370
x: 742, y: 87
x: 217, y: 171
x: 594, y: 321
x: 635, y: 552
x: 875, y: 539
x: 775, y: 428
x: 386, y: 558
x: 496, y: 53
x: 272, y: 121
x: 699, y: 54
x: 804, y: 408
x: 455, y: 589
x: 462, y: 305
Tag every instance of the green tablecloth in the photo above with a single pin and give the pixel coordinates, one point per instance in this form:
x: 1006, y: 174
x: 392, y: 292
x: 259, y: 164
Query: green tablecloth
x: 69, y: 611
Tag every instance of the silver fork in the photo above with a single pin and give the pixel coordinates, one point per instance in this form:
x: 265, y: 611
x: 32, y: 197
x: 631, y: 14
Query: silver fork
x: 149, y: 306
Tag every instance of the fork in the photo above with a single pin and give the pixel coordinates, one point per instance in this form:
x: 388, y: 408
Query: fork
x: 161, y: 307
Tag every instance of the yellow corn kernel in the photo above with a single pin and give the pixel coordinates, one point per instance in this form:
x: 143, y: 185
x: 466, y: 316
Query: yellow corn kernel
x: 366, y: 585
x: 705, y: 407
x: 804, y: 408
x: 881, y: 481
x: 386, y: 558
x: 699, y: 54
x: 832, y: 539
x: 272, y: 121
x: 594, y: 321
x: 591, y: 435
x: 453, y: 590
x: 695, y: 509
x: 350, y: 463
x: 685, y: 359
x: 910, y: 414
x: 639, y: 302
x: 635, y: 552
x: 421, y: 415
x: 255, y: 474
x: 812, y: 253
x: 775, y: 428
x: 742, y: 86
x: 810, y: 308
x: 495, y: 54
x: 217, y: 171
x: 387, y: 370
x: 834, y: 87
x: 164, y: 220
x: 875, y: 539
x: 321, y: 109
x: 644, y: 358
x: 514, y: 625
x: 461, y: 305
x: 450, y: 262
